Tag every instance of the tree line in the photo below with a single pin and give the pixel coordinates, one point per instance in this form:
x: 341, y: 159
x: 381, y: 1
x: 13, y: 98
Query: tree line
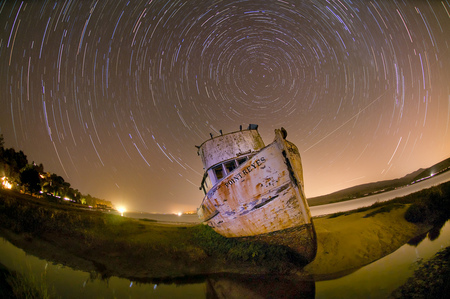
x: 16, y: 173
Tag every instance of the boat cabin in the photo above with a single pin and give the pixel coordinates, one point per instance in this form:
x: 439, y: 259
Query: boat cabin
x: 222, y: 154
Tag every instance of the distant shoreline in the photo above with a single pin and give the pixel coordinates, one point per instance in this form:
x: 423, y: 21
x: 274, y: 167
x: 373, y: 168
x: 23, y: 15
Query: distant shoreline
x: 355, y: 203
x: 370, y: 189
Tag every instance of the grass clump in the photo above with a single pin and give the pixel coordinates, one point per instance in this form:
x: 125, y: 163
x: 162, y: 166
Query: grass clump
x: 430, y: 206
x: 239, y: 250
x: 415, y: 213
x: 211, y: 242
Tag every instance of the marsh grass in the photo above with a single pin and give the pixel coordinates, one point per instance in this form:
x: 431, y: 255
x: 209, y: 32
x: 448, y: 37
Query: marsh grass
x: 87, y: 231
x: 235, y: 250
x: 133, y: 239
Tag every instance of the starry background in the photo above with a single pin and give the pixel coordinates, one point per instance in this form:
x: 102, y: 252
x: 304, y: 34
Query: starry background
x: 114, y: 95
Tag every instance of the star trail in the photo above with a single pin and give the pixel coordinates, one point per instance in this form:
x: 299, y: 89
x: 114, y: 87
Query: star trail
x: 114, y: 95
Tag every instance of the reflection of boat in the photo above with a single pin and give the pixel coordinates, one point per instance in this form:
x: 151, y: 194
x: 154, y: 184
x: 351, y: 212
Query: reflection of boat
x: 256, y: 191
x: 245, y: 286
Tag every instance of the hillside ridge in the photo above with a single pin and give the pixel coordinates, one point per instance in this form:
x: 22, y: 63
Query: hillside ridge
x: 381, y: 186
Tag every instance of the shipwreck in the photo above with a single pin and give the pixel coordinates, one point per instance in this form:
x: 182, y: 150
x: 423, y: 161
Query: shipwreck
x: 255, y: 191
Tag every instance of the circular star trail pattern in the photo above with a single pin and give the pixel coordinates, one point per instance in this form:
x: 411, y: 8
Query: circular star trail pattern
x: 113, y: 95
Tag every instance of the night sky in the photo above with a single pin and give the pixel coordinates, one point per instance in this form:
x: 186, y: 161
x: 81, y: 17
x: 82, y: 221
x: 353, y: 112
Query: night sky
x: 114, y: 95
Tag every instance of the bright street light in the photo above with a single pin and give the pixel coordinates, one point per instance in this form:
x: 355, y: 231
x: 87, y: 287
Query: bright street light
x: 121, y: 210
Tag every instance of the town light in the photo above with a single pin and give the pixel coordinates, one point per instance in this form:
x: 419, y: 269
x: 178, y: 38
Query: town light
x: 121, y: 210
x: 5, y: 183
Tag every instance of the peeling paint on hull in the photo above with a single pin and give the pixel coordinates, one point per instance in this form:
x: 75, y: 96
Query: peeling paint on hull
x: 263, y: 199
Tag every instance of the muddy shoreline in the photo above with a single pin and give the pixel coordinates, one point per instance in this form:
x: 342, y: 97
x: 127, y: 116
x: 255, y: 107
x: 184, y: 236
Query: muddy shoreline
x: 160, y: 252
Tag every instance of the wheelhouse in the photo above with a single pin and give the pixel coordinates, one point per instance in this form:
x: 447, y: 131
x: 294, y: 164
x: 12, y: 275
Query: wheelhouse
x: 222, y: 154
x: 217, y: 172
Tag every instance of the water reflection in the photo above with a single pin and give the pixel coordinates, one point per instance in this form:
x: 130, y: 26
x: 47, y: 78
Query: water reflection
x: 376, y: 280
x: 380, y: 278
x: 258, y: 286
x: 5, y: 289
x: 432, y: 234
x: 435, y: 232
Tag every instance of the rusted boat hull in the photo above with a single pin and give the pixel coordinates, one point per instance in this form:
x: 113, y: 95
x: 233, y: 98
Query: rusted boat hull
x: 263, y: 199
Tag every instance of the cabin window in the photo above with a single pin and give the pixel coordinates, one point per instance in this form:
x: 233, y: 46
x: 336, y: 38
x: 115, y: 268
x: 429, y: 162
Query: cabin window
x: 230, y: 166
x: 218, y: 171
x: 206, y: 183
x: 241, y: 160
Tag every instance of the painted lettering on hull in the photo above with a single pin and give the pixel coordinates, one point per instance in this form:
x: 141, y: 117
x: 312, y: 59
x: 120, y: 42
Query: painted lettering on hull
x: 239, y: 176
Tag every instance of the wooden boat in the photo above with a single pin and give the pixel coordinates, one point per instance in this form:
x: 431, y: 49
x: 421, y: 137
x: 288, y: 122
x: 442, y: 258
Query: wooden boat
x: 256, y: 192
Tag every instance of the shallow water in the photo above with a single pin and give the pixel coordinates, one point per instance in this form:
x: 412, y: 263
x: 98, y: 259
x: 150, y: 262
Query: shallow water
x: 376, y: 280
x: 69, y: 283
x: 380, y: 278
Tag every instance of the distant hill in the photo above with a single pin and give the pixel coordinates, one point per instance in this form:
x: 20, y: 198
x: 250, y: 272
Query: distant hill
x: 436, y: 168
x: 382, y: 186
